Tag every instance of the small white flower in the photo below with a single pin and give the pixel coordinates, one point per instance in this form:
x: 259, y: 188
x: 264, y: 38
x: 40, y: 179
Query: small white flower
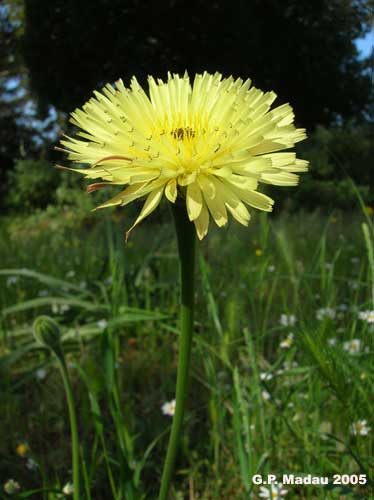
x: 274, y: 492
x: 68, y: 489
x: 332, y: 342
x: 11, y: 487
x: 287, y: 320
x: 102, y: 324
x: 360, y: 428
x: 12, y: 280
x: 367, y: 316
x: 168, y: 408
x: 328, y: 266
x: 265, y: 395
x: 70, y: 274
x: 271, y: 269
x: 352, y: 346
x: 287, y: 342
x: 31, y: 464
x: 325, y: 312
x: 265, y: 376
x: 41, y: 373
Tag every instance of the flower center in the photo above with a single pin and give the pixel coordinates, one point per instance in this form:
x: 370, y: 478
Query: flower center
x: 183, y: 133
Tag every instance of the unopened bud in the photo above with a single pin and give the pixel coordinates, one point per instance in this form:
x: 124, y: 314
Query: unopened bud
x: 47, y: 332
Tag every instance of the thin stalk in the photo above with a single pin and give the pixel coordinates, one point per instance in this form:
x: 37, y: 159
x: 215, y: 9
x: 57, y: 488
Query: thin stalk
x: 186, y: 247
x: 73, y: 424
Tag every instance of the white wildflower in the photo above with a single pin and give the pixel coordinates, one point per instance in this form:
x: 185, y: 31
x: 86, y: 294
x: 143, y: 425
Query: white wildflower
x: 11, y: 487
x: 367, y: 316
x: 360, y: 428
x: 68, y: 489
x: 273, y: 492
x: 168, y: 408
x: 265, y: 395
x: 352, y: 346
x: 287, y: 320
x: 287, y: 342
x: 102, y: 324
x: 265, y: 376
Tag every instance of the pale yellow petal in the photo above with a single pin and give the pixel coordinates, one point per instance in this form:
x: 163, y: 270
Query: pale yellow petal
x: 171, y: 190
x: 214, y: 202
x: 202, y: 222
x: 237, y: 209
x: 149, y: 206
x: 194, y: 201
x: 280, y: 178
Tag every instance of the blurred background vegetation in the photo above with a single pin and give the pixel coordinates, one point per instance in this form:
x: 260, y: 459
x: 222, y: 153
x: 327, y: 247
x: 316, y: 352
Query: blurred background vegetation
x: 53, y: 54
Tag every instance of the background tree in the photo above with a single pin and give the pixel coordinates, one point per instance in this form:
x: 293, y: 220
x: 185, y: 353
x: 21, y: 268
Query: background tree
x: 304, y: 50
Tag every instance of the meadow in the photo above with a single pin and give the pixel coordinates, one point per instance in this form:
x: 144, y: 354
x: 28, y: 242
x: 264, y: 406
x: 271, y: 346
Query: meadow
x: 282, y: 365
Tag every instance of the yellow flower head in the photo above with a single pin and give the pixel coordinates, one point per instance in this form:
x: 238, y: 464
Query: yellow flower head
x: 22, y: 449
x: 209, y: 143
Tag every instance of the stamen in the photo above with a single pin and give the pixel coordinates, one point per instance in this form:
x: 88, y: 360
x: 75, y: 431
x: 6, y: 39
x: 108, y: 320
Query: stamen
x: 183, y: 132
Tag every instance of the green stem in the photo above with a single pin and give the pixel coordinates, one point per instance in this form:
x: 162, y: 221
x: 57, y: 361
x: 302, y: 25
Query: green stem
x: 73, y: 424
x: 186, y: 246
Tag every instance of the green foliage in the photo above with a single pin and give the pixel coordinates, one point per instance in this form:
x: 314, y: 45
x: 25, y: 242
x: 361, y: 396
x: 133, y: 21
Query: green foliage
x: 36, y: 184
x: 338, y: 155
x: 117, y: 306
x: 31, y: 185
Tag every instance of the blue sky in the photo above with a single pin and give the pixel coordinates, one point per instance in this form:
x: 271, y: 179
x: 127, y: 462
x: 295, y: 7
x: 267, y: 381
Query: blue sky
x: 366, y: 44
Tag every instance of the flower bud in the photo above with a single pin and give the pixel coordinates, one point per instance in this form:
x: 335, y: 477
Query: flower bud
x: 47, y: 332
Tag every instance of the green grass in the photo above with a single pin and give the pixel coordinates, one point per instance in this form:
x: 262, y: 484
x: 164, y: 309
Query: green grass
x: 118, y: 309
